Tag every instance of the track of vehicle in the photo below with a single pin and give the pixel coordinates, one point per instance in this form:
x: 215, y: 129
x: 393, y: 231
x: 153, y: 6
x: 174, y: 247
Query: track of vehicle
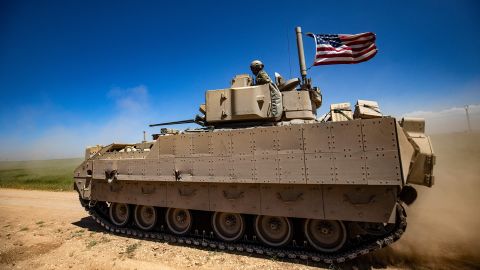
x: 364, y: 245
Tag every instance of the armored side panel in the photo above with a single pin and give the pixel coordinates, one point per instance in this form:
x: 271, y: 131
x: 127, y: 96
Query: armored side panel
x: 346, y: 202
x: 283, y: 170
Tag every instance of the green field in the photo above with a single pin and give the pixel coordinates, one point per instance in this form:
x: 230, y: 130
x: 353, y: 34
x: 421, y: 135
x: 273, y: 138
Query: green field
x: 53, y: 174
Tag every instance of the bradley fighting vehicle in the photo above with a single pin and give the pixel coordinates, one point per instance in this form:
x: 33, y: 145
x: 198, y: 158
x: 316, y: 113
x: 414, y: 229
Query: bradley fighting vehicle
x: 282, y: 183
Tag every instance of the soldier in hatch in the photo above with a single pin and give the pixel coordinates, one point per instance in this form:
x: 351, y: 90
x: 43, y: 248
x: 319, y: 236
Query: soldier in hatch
x: 261, y: 77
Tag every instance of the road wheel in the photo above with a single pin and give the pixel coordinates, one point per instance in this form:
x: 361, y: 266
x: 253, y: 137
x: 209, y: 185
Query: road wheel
x: 145, y: 217
x: 178, y: 220
x: 119, y: 213
x: 228, y: 226
x: 325, y: 235
x: 273, y: 231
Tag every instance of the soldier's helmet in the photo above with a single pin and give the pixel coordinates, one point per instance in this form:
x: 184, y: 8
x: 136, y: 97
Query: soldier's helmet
x: 256, y: 66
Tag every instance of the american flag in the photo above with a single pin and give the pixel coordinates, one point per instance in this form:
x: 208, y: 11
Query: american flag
x: 344, y: 49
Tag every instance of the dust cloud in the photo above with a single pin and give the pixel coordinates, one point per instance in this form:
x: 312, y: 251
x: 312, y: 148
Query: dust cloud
x: 449, y: 120
x: 443, y: 229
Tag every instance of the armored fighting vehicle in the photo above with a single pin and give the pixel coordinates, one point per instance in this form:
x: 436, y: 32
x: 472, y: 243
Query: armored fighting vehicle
x: 281, y: 182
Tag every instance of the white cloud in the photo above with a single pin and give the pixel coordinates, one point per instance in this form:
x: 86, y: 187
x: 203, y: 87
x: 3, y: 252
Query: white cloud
x: 131, y: 99
x: 449, y: 120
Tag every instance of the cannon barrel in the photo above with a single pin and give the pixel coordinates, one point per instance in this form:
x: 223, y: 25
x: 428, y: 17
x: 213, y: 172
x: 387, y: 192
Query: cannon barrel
x: 174, y: 123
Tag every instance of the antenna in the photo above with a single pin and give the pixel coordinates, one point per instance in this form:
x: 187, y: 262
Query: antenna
x: 289, y: 55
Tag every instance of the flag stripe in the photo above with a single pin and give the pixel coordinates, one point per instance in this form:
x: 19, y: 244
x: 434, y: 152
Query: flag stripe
x: 357, y: 46
x: 345, y: 61
x: 346, y: 58
x: 346, y: 53
x: 359, y: 42
x: 364, y: 39
x: 348, y: 37
x: 344, y: 49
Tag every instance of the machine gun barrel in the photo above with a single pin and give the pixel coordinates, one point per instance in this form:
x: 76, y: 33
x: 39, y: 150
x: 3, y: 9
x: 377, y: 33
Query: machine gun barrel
x: 174, y: 123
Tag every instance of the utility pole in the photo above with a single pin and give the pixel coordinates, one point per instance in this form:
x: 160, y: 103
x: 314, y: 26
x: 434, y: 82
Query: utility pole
x: 468, y: 119
x: 144, y: 137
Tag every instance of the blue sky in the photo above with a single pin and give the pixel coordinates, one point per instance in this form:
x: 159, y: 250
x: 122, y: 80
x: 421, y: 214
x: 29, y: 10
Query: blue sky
x: 77, y: 73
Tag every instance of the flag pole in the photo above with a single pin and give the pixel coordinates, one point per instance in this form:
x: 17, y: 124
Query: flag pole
x: 301, y: 55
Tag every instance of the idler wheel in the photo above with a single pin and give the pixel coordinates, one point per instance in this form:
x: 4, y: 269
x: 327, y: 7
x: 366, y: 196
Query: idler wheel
x: 228, y: 226
x: 273, y: 231
x: 119, y: 213
x: 178, y: 220
x: 145, y: 217
x: 325, y: 235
